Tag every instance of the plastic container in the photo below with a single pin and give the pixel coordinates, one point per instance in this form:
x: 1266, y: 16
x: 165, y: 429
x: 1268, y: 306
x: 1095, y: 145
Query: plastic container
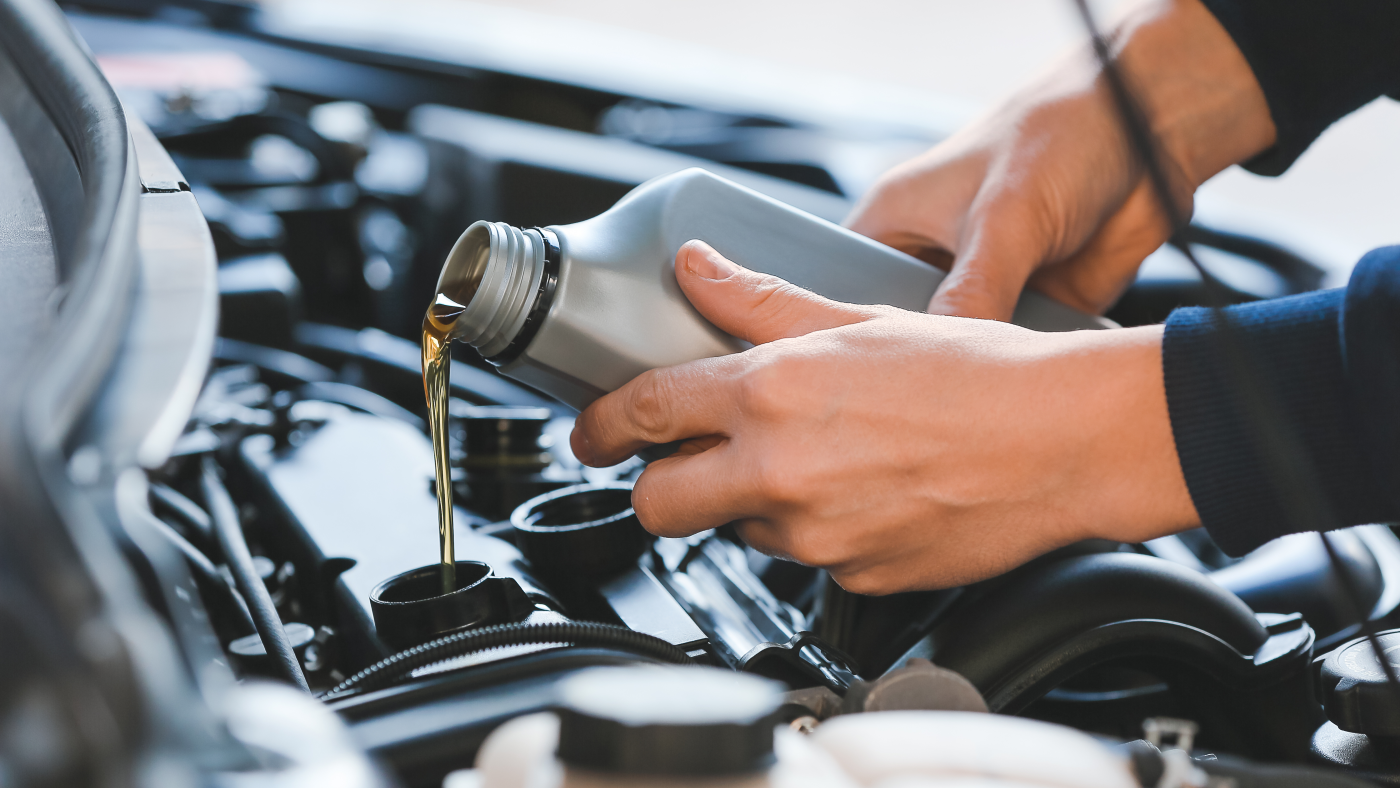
x: 579, y: 310
x: 708, y: 728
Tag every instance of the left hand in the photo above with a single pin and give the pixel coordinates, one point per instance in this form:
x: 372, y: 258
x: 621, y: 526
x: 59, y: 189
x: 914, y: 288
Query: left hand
x: 896, y: 449
x: 1046, y: 191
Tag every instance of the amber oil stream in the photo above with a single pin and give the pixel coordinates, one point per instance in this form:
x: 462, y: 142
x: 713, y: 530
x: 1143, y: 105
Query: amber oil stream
x: 437, y: 372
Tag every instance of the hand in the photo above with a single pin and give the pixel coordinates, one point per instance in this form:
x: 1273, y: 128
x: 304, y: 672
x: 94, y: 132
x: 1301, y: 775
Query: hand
x: 898, y: 450
x: 1046, y: 190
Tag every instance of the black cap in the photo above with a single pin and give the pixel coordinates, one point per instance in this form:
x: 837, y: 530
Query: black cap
x: 1353, y: 687
x: 586, y: 532
x: 668, y: 721
x: 504, y: 437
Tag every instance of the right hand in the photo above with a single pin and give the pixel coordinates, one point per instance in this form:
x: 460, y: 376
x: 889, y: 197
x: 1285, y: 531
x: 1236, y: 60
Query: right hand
x: 896, y: 450
x: 1046, y: 190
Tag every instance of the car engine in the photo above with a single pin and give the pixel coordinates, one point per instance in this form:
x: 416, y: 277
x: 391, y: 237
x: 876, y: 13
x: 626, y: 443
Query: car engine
x: 333, y: 179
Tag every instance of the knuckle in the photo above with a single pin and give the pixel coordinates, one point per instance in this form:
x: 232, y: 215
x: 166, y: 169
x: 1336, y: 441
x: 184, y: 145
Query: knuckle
x: 775, y: 298
x: 759, y: 536
x: 878, y: 311
x: 833, y: 543
x: 764, y: 389
x: 646, y: 504
x: 647, y: 402
x: 808, y: 549
x: 864, y: 582
x: 779, y: 483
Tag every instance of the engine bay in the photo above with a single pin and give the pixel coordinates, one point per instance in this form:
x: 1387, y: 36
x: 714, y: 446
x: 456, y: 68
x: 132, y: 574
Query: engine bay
x: 334, y: 181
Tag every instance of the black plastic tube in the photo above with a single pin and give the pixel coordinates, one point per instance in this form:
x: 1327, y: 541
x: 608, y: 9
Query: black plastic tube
x: 208, y: 576
x: 197, y: 527
x: 392, y: 669
x: 269, y: 625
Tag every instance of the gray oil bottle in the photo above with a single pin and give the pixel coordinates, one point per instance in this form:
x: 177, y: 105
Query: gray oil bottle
x: 579, y: 310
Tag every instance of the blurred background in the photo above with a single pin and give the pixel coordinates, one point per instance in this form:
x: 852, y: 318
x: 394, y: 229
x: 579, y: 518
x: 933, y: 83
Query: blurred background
x: 946, y: 60
x: 354, y: 139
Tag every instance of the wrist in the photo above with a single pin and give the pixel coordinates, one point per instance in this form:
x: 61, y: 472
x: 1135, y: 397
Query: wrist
x: 1127, y: 484
x: 1195, y: 86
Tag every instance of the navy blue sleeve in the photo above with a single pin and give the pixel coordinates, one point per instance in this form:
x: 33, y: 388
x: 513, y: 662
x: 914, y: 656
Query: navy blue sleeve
x: 1329, y: 362
x: 1316, y: 61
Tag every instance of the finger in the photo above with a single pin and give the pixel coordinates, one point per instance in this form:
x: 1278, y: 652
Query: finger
x: 918, y: 207
x: 1004, y: 245
x: 659, y: 406
x: 766, y: 537
x: 697, y: 445
x: 1093, y: 278
x: 918, y: 246
x: 752, y: 306
x: 685, y: 494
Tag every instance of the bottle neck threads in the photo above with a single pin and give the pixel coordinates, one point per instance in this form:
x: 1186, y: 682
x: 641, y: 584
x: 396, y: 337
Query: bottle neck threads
x: 498, y: 271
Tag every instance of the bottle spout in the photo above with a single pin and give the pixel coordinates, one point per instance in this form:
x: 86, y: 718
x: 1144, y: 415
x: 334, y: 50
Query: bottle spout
x: 443, y: 314
x: 489, y: 284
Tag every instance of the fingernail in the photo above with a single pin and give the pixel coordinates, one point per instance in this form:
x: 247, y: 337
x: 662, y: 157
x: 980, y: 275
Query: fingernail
x: 583, y: 450
x: 706, y: 263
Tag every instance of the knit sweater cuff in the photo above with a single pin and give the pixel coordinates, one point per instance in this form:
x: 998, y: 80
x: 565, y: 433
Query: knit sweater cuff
x: 1292, y: 352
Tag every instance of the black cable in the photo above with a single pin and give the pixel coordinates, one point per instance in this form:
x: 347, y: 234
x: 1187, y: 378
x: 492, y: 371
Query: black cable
x: 208, y: 575
x: 1284, y: 457
x: 240, y: 562
x: 1363, y: 616
x: 391, y: 669
x: 1298, y: 273
x: 194, y: 519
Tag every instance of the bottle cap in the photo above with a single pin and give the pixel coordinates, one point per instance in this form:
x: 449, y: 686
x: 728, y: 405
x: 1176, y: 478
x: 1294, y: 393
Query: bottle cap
x: 1354, y: 687
x: 586, y: 532
x: 504, y: 438
x: 668, y: 721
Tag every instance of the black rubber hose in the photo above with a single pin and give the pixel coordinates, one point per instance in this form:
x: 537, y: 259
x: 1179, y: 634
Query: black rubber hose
x: 391, y: 669
x: 195, y: 520
x: 226, y: 526
x: 1148, y: 766
x: 1230, y: 770
x: 207, y: 575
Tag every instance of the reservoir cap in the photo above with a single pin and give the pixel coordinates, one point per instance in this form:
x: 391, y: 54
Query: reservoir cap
x: 1354, y: 687
x: 586, y: 532
x: 504, y: 438
x: 668, y: 721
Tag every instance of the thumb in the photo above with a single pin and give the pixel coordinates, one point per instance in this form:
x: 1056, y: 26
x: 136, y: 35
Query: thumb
x: 755, y: 307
